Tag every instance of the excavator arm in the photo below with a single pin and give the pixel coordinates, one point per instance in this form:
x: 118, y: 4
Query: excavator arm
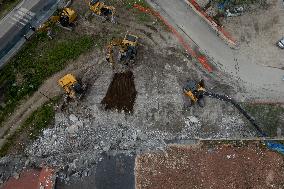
x: 109, y: 55
x: 196, y: 91
x: 238, y: 106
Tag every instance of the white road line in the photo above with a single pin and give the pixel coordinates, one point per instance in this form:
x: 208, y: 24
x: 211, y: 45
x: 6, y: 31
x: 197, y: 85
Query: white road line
x: 27, y: 12
x: 22, y: 16
x: 18, y: 21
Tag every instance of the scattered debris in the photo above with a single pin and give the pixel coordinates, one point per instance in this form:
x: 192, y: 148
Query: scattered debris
x: 225, y: 166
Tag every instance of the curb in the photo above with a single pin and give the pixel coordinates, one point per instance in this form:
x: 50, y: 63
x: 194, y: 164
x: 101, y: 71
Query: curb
x: 200, y: 58
x: 18, y: 45
x: 218, y: 29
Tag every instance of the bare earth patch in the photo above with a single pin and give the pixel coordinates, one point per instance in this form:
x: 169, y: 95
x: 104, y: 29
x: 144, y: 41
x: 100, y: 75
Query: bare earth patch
x: 218, y: 167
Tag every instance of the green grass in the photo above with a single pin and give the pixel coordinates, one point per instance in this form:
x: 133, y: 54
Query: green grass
x: 6, y: 6
x: 129, y: 3
x: 39, y: 59
x: 141, y: 17
x: 268, y: 116
x: 32, y: 127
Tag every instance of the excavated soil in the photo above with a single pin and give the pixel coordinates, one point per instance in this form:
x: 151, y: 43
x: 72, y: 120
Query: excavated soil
x: 121, y: 93
x: 218, y: 167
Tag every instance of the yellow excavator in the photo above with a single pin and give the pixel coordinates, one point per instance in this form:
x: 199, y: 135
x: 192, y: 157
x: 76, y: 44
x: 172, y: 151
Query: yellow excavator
x: 127, y: 49
x: 65, y: 18
x: 102, y: 10
x: 196, y: 92
x: 71, y: 86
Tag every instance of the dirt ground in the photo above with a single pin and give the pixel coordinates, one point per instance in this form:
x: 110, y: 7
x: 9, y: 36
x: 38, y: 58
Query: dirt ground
x: 84, y: 129
x: 258, y: 30
x: 121, y: 94
x: 217, y: 167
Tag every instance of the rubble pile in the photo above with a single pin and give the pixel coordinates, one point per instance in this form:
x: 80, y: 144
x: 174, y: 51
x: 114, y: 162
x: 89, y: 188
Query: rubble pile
x: 86, y: 130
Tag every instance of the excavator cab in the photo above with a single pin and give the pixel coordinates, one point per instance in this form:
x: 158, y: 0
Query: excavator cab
x: 129, y: 48
x: 130, y: 40
x: 71, y: 86
x: 195, y: 91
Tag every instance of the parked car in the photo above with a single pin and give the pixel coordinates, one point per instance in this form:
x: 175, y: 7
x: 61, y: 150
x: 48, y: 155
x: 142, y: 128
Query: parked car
x: 280, y: 43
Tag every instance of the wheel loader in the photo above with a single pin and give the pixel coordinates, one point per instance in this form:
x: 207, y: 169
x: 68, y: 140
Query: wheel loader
x: 65, y: 18
x: 127, y: 49
x: 102, y: 10
x: 71, y: 86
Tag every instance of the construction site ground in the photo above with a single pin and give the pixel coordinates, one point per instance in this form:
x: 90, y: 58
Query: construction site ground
x: 150, y: 110
x: 219, y: 166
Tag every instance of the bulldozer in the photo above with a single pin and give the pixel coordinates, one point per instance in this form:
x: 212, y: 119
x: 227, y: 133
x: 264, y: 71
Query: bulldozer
x: 127, y: 49
x: 196, y: 92
x: 71, y: 86
x: 65, y: 18
x: 102, y: 10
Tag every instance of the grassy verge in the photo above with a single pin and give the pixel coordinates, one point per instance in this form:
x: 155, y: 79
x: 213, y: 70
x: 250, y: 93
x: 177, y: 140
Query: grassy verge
x: 6, y: 6
x: 129, y: 3
x: 269, y: 117
x: 141, y: 17
x: 39, y: 59
x: 30, y: 129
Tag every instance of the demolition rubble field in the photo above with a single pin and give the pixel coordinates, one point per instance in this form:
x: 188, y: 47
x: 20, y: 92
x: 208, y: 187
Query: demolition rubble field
x: 129, y: 110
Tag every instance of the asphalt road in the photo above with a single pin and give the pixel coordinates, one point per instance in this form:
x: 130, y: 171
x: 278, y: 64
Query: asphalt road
x: 17, y: 23
x: 261, y: 82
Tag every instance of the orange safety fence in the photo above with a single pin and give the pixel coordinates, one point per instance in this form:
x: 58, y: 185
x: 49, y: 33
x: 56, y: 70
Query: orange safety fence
x: 201, y: 58
x: 210, y: 19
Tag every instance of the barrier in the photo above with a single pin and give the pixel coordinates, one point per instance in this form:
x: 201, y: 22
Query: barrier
x: 201, y: 59
x: 220, y: 30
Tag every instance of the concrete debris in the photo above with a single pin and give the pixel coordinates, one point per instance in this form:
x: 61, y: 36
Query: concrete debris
x: 73, y: 118
x: 85, y: 130
x: 193, y: 119
x: 16, y: 175
x: 73, y: 129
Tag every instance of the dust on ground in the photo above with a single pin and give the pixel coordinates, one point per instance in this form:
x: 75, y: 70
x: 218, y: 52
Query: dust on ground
x: 258, y: 30
x: 85, y: 130
x: 219, y: 167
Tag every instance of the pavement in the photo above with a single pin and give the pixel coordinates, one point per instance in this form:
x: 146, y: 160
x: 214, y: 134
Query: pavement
x: 17, y: 24
x: 261, y: 82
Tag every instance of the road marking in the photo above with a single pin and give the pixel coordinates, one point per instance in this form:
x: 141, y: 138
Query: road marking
x: 26, y: 11
x: 22, y: 16
x: 17, y: 21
